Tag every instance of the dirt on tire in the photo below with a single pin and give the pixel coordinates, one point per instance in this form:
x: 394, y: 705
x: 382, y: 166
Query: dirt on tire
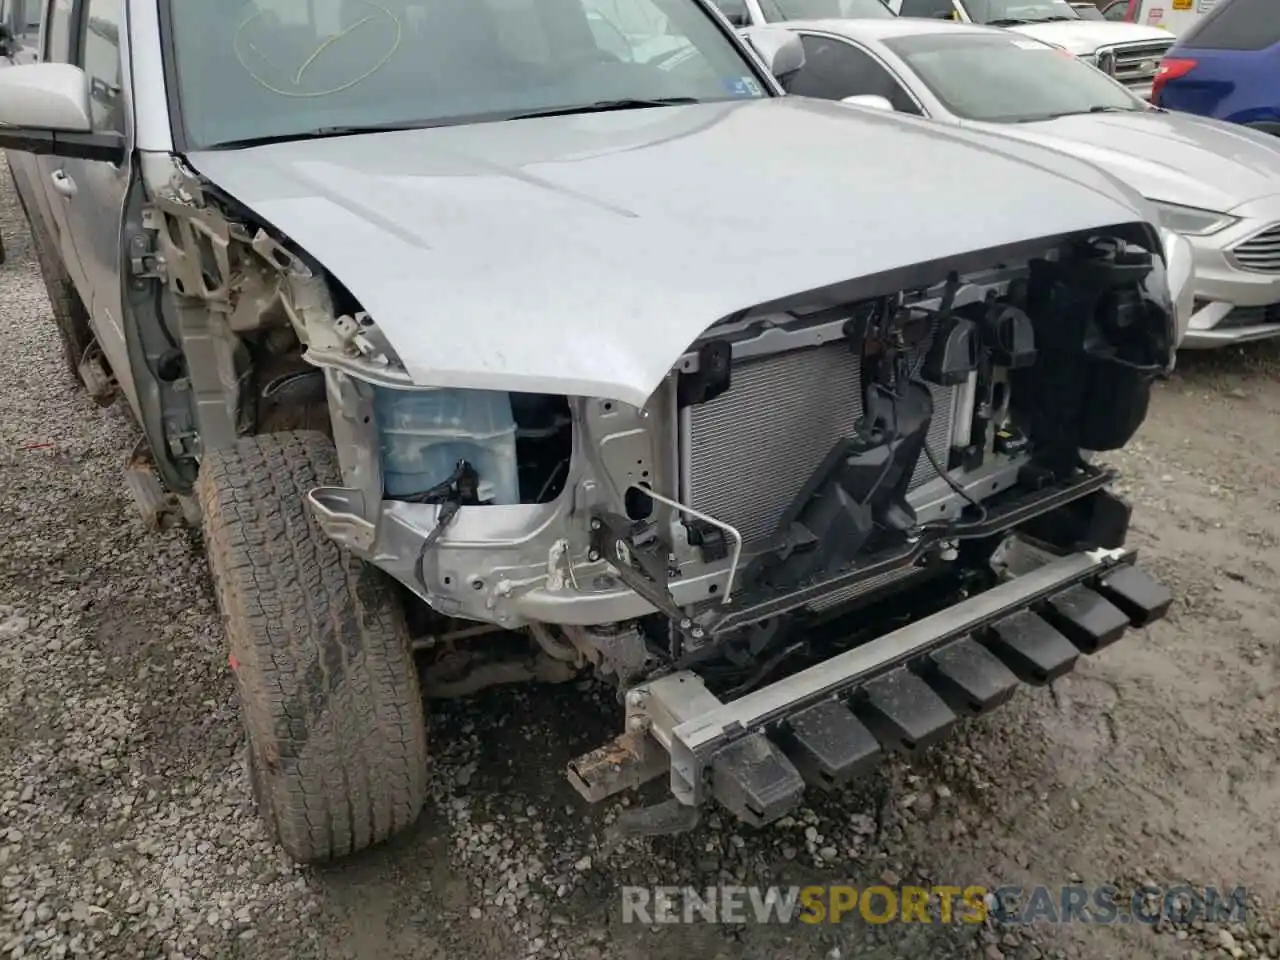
x: 318, y: 644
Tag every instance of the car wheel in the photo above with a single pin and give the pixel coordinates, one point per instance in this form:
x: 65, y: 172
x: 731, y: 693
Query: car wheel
x: 320, y: 652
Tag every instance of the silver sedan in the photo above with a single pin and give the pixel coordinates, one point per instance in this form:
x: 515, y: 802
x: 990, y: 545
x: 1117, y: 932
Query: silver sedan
x: 1216, y: 183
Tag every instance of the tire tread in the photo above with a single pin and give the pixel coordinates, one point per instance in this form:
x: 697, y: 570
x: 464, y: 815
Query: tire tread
x: 328, y: 686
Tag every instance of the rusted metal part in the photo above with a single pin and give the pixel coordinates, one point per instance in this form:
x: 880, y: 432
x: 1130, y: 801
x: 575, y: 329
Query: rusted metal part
x: 624, y: 762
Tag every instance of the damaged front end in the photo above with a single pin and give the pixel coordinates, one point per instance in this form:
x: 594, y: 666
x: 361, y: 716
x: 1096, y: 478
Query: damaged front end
x: 796, y: 555
x: 784, y: 450
x: 838, y: 523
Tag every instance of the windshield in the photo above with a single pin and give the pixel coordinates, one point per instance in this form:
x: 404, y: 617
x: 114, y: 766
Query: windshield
x: 276, y: 68
x: 1004, y: 78
x: 776, y: 10
x: 1020, y: 11
x: 1088, y: 12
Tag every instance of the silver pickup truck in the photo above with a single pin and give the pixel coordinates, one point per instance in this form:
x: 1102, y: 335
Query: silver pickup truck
x: 460, y: 332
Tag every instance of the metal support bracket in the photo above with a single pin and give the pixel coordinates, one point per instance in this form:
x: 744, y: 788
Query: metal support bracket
x: 642, y: 567
x: 697, y: 729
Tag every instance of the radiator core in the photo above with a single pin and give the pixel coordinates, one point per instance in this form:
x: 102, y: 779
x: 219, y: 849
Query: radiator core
x: 750, y: 450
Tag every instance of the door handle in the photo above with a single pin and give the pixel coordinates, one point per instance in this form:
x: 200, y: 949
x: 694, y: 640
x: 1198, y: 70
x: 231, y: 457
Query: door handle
x: 63, y: 183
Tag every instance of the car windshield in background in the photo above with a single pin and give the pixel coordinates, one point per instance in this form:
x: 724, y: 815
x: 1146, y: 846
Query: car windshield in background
x: 1013, y: 12
x: 1004, y: 78
x: 275, y: 69
x: 776, y: 10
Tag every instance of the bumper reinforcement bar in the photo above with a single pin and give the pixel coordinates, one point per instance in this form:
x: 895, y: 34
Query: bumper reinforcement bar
x: 902, y: 691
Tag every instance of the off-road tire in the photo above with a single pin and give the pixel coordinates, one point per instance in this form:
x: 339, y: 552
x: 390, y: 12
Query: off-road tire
x: 320, y: 652
x: 69, y: 313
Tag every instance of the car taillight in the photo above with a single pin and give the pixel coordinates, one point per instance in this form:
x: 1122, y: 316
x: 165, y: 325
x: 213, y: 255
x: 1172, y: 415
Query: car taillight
x: 1171, y: 68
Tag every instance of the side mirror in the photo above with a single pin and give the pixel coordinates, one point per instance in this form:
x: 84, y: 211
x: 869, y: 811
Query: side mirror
x: 44, y: 109
x: 779, y: 48
x: 872, y: 100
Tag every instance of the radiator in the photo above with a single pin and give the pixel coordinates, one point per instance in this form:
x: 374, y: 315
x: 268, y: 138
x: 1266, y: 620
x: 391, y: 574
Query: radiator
x: 750, y: 450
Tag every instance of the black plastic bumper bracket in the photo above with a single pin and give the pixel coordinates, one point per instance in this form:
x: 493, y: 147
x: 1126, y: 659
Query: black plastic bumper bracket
x: 1142, y: 598
x: 1031, y: 647
x: 970, y: 677
x: 901, y: 708
x: 754, y: 780
x: 828, y: 744
x: 1088, y: 619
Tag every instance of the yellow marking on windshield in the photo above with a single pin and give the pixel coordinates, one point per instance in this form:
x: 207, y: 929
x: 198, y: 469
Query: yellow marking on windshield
x: 326, y: 45
x: 240, y: 44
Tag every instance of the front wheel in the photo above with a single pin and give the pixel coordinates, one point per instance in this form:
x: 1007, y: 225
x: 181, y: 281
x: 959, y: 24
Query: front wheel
x: 320, y: 651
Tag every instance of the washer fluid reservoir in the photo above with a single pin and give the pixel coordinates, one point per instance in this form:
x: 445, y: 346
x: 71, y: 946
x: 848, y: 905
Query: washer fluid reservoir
x: 424, y: 433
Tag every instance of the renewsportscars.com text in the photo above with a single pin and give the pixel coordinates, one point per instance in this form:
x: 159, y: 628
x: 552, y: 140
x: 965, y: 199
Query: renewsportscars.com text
x: 942, y: 903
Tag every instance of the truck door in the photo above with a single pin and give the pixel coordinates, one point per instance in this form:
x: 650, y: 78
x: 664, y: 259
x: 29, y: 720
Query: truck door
x: 59, y: 37
x: 97, y: 188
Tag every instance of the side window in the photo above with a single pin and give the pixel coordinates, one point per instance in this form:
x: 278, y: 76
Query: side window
x: 834, y: 70
x: 103, y: 23
x: 934, y: 9
x: 60, y: 46
x: 736, y: 12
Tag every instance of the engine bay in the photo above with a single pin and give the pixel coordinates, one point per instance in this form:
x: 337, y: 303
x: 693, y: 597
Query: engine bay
x: 978, y: 402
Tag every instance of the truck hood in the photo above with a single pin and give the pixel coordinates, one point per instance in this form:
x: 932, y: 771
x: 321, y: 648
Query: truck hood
x: 582, y: 255
x: 1083, y: 37
x: 1174, y: 157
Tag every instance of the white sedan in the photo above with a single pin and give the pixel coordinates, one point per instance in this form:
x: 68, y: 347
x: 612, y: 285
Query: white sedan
x: 1217, y: 184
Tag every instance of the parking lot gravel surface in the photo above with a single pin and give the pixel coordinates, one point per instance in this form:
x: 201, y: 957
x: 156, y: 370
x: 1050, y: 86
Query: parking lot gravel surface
x: 126, y: 830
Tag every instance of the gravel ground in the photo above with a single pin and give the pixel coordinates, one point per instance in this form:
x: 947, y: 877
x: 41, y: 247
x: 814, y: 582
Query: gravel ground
x: 125, y: 829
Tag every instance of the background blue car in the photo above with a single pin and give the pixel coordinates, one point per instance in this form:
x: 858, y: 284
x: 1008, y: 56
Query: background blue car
x: 1227, y: 66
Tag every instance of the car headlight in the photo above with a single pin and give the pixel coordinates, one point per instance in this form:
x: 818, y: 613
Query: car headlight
x: 1192, y: 221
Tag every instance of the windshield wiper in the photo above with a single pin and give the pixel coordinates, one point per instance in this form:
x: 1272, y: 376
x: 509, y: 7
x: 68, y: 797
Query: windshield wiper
x: 1006, y: 22
x: 321, y: 133
x: 1100, y: 108
x: 1054, y: 19
x: 604, y: 106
